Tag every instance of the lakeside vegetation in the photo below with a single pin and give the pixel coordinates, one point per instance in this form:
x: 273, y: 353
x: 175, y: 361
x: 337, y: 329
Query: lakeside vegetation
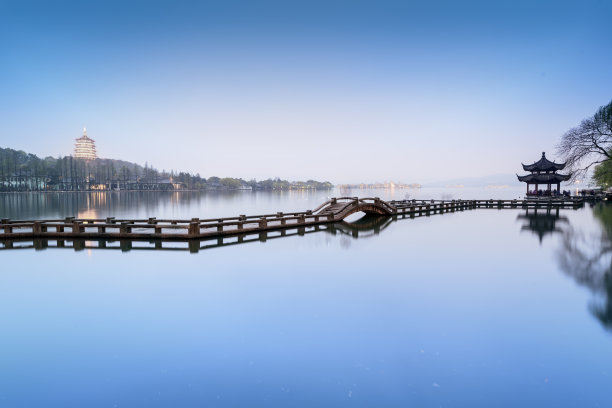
x: 21, y: 171
x: 589, y: 145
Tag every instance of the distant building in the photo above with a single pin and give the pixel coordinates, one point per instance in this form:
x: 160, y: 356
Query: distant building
x: 85, y: 148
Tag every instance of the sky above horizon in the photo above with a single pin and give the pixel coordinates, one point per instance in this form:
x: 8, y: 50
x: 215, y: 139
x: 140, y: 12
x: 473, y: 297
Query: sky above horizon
x: 345, y: 91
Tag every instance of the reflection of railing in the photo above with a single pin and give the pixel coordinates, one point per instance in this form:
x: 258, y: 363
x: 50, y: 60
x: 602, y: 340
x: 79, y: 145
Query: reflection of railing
x: 331, y: 211
x: 191, y: 245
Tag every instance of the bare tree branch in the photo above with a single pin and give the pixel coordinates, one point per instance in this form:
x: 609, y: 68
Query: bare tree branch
x: 588, y: 144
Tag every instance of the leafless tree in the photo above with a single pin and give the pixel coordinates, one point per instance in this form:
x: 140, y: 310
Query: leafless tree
x: 589, y: 143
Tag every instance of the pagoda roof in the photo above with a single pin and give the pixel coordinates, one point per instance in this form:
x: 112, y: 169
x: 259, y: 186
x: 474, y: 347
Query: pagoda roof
x: 544, y: 165
x: 544, y: 178
x: 84, y: 137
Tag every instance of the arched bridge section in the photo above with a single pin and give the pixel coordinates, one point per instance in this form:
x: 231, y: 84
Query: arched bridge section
x: 342, y: 207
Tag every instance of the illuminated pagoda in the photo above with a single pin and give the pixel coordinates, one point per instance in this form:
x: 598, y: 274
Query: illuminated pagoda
x: 85, y: 148
x: 543, y: 172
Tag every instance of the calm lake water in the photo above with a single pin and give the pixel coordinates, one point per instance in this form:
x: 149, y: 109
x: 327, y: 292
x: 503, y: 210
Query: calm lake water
x: 475, y: 308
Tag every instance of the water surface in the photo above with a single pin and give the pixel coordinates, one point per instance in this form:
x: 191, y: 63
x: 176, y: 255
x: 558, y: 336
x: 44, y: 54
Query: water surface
x: 473, y: 308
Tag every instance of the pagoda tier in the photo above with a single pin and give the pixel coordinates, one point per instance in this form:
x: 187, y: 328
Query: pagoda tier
x: 85, y: 147
x: 544, y: 172
x: 543, y: 165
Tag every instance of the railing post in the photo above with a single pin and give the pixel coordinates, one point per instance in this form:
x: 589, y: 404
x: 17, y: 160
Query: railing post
x: 220, y: 226
x: 125, y: 227
x: 301, y: 219
x: 334, y: 200
x: 194, y: 228
x: 36, y: 228
x: 263, y: 223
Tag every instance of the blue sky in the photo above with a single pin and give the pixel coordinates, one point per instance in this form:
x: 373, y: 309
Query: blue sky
x: 346, y: 91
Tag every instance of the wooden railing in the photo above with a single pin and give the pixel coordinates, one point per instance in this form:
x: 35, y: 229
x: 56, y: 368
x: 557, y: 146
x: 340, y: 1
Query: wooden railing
x: 329, y: 212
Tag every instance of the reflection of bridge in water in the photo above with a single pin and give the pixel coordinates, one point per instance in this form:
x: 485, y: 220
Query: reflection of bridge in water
x: 206, y: 233
x: 367, y: 226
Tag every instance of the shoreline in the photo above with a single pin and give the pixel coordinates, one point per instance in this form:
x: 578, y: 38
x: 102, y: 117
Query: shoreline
x: 165, y: 191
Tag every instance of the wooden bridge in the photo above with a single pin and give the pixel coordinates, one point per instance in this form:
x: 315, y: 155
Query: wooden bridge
x: 331, y: 211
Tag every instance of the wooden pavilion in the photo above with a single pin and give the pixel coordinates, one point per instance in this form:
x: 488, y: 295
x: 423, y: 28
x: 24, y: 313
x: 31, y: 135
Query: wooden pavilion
x: 543, y: 172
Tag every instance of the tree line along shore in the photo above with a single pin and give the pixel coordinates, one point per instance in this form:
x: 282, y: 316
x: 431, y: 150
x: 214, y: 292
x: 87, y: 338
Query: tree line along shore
x: 21, y: 171
x: 585, y: 148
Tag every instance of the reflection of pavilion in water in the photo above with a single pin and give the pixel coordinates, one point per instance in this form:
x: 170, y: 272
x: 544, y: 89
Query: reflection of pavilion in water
x: 542, y: 222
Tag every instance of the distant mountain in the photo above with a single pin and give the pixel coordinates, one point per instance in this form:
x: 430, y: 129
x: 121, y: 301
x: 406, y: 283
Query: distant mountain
x: 483, y: 181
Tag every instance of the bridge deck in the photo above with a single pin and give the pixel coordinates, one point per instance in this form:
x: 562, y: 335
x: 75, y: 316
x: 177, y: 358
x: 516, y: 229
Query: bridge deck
x: 331, y: 211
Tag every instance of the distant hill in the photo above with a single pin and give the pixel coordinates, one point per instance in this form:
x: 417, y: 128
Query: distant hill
x: 484, y: 181
x: 21, y: 171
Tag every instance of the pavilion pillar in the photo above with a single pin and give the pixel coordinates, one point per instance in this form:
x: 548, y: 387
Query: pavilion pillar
x: 537, y: 188
x: 558, y: 187
x: 527, y: 188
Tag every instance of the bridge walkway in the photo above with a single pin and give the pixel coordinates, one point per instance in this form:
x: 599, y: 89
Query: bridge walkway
x: 331, y: 211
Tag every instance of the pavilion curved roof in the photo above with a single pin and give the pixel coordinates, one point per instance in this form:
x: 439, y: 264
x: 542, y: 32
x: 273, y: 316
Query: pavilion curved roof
x: 544, y: 178
x: 544, y: 165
